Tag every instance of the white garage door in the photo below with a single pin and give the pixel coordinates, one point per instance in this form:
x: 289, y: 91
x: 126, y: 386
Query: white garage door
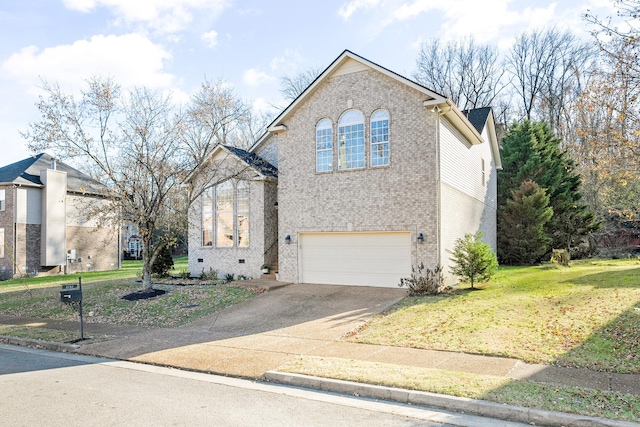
x: 365, y: 259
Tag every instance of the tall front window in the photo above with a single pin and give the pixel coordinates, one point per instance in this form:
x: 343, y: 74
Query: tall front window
x: 380, y: 138
x: 2, y: 200
x: 243, y: 213
x: 351, y: 140
x: 1, y: 242
x: 324, y: 146
x: 224, y: 215
x: 207, y: 217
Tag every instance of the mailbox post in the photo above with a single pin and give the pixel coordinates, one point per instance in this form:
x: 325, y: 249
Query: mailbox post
x: 72, y: 294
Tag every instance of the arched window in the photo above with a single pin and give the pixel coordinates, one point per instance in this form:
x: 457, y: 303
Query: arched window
x: 380, y: 138
x: 351, y: 140
x: 324, y: 146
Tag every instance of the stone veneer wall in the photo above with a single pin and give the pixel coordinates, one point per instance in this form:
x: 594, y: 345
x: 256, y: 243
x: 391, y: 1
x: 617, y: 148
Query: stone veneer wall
x: 400, y: 197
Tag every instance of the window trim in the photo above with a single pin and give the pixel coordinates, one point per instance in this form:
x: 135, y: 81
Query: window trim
x: 2, y: 242
x: 373, y: 145
x: 3, y: 199
x: 213, y: 192
x: 217, y: 212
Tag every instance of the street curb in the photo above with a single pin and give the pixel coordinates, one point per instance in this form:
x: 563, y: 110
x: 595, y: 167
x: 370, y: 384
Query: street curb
x: 45, y: 345
x: 452, y: 403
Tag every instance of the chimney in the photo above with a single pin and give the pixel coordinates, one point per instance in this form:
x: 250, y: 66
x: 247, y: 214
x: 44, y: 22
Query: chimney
x: 53, y: 163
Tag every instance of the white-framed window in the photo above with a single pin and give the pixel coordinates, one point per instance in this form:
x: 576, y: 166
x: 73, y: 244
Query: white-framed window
x: 380, y: 138
x: 207, y: 217
x: 224, y: 215
x: 1, y: 242
x: 2, y: 199
x: 242, y: 213
x: 324, y: 146
x: 351, y: 140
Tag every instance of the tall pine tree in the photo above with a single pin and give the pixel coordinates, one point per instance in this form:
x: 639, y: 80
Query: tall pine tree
x: 531, y: 152
x: 522, y: 238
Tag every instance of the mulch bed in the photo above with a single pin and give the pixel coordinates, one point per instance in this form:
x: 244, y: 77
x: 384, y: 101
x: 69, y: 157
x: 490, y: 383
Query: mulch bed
x: 142, y: 295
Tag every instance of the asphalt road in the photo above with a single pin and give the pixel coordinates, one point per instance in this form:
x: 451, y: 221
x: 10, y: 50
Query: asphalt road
x: 44, y: 388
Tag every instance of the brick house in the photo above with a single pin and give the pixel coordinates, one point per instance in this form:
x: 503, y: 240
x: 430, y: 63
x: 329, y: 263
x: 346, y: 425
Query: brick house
x: 46, y: 220
x: 375, y: 173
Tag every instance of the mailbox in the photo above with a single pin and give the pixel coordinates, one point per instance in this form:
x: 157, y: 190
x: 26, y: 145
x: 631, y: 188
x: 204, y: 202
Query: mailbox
x: 70, y: 293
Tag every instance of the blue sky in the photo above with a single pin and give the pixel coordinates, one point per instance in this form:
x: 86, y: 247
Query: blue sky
x: 171, y: 45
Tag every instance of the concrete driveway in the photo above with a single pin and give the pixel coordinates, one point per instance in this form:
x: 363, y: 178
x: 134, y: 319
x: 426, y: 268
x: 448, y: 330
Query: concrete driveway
x: 260, y: 334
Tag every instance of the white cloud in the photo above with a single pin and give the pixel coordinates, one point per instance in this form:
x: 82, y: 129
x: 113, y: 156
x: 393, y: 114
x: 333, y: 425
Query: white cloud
x: 290, y: 60
x: 261, y: 105
x: 348, y: 9
x: 210, y: 38
x: 253, y: 77
x: 161, y: 15
x: 132, y: 59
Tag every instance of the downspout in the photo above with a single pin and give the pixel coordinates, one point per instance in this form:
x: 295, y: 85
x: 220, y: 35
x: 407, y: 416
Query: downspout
x: 438, y: 113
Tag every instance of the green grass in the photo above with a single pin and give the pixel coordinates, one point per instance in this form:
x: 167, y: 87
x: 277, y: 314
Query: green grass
x: 102, y: 298
x: 530, y: 394
x: 586, y: 315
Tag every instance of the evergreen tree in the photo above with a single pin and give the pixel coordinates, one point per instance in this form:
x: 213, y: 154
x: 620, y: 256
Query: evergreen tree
x: 473, y: 260
x: 522, y: 238
x: 530, y: 152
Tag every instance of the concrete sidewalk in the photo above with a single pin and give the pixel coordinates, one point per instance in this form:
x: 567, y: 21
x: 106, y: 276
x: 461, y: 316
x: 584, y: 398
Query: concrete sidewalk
x: 263, y: 333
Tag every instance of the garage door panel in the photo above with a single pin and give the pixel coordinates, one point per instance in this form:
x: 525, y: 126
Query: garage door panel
x: 368, y: 259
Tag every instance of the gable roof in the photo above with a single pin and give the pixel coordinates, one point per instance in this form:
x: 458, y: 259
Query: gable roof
x: 260, y: 165
x: 27, y: 173
x: 478, y: 117
x: 481, y: 118
x: 352, y: 61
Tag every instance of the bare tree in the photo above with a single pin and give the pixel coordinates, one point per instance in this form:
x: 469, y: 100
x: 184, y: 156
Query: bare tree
x: 468, y: 73
x: 213, y: 117
x: 135, y: 144
x: 547, y: 69
x: 292, y: 86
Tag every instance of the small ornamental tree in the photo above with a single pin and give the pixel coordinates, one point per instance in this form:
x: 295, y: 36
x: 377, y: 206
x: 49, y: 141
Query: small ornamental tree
x: 473, y: 259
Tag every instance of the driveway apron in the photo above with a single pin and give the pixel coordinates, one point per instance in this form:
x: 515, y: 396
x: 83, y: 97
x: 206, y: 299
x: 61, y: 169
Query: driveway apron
x: 260, y: 334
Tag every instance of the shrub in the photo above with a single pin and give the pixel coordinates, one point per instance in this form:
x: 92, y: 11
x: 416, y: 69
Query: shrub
x: 163, y: 263
x: 473, y: 259
x: 424, y: 281
x: 211, y: 275
x: 228, y: 277
x: 560, y: 256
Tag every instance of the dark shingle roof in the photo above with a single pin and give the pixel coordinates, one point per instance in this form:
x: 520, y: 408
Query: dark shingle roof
x: 478, y: 117
x: 256, y: 162
x: 27, y: 172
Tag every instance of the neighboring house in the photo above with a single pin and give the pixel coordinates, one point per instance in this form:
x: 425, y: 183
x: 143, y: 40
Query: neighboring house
x: 375, y: 174
x: 45, y: 223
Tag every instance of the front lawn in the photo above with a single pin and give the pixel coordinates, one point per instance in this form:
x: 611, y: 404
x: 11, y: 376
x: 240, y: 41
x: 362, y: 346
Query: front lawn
x: 102, y: 299
x: 586, y: 315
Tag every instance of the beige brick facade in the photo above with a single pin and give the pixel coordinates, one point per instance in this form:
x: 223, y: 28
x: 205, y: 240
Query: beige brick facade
x: 400, y: 197
x: 409, y: 195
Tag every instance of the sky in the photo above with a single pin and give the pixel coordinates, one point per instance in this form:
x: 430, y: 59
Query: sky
x: 173, y: 45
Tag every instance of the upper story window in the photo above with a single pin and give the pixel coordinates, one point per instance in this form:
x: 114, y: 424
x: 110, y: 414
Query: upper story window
x: 351, y: 140
x: 380, y: 138
x: 324, y: 146
x: 2, y: 199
